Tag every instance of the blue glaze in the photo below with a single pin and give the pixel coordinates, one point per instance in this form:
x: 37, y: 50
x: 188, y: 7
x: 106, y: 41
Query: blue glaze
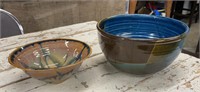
x: 143, y: 26
x: 149, y: 44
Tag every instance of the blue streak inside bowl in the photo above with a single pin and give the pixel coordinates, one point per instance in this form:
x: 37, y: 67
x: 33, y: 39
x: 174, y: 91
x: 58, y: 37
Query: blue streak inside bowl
x: 143, y: 26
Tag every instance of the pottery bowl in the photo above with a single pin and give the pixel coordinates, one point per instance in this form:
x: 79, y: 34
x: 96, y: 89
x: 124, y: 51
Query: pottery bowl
x: 141, y: 44
x: 52, y: 61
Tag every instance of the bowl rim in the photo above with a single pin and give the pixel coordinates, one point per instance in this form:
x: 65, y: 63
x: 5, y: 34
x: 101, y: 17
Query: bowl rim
x: 103, y: 33
x: 62, y: 67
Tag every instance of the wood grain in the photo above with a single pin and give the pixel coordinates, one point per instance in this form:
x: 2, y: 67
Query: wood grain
x: 132, y: 6
x: 96, y: 74
x: 168, y: 6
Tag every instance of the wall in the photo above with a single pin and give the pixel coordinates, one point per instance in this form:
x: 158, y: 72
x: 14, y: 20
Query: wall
x: 36, y: 15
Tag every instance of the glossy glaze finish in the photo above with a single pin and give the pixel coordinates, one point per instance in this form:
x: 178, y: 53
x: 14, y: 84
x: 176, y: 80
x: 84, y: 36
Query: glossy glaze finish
x: 52, y: 60
x: 141, y: 44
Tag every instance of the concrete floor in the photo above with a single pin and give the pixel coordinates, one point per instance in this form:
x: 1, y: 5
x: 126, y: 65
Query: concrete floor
x: 193, y: 36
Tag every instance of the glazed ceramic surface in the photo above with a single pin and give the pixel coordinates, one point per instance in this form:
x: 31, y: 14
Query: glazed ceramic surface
x: 141, y: 44
x: 51, y: 60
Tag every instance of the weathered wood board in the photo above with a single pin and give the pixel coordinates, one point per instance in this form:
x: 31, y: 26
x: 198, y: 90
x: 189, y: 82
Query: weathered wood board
x: 96, y: 74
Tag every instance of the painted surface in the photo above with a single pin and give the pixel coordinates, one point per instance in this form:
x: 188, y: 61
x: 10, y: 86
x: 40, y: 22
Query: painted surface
x: 96, y: 75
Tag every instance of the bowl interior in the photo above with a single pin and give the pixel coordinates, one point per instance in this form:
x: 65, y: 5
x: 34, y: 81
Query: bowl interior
x: 142, y: 26
x: 50, y: 54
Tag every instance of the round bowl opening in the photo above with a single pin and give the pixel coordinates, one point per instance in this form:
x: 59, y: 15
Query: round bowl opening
x: 50, y: 54
x: 145, y: 27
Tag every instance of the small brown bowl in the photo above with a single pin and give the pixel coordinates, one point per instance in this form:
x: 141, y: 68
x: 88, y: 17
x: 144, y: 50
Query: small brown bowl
x: 52, y: 61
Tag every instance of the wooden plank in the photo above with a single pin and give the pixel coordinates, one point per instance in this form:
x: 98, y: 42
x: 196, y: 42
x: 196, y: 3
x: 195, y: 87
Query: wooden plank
x: 132, y: 6
x: 96, y: 75
x: 16, y: 41
x: 4, y: 60
x: 168, y: 6
x: 12, y: 76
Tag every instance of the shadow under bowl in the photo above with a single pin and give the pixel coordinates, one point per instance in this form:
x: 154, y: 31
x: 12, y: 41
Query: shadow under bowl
x: 141, y: 44
x: 52, y: 61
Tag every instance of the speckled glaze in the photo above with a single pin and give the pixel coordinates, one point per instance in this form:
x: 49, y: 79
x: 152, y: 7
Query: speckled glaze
x: 52, y: 61
x: 141, y: 44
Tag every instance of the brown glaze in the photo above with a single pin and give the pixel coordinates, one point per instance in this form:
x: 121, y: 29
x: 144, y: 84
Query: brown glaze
x: 49, y: 60
x: 127, y: 51
x: 141, y: 44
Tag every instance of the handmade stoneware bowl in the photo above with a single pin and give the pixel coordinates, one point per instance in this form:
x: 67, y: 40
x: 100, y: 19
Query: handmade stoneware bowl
x: 141, y: 44
x: 52, y: 61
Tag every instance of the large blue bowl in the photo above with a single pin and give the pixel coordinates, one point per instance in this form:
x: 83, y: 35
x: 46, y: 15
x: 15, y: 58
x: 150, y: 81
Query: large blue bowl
x: 141, y: 44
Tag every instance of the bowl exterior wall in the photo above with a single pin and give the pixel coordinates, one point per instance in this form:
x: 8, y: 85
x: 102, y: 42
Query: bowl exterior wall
x: 54, y: 75
x: 139, y: 57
